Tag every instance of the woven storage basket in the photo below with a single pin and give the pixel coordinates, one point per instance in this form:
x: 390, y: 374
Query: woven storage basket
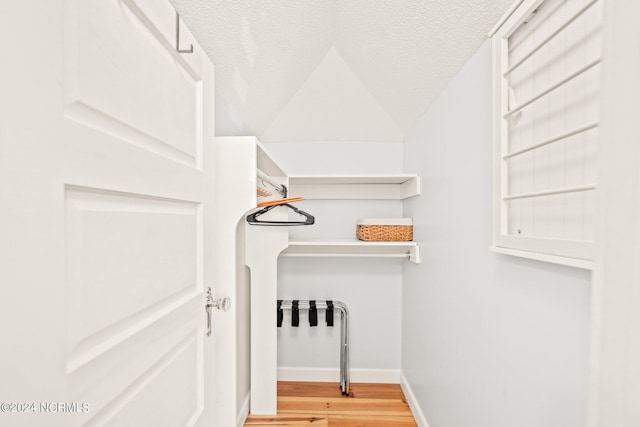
x: 385, y: 229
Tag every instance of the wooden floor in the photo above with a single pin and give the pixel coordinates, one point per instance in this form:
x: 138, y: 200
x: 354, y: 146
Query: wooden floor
x: 323, y: 405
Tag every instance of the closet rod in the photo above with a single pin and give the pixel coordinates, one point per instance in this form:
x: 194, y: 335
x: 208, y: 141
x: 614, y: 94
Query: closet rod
x: 346, y: 255
x: 266, y: 178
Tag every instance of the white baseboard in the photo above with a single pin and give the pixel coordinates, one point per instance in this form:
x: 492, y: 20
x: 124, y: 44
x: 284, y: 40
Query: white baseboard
x: 244, y: 411
x: 413, y: 403
x: 386, y: 376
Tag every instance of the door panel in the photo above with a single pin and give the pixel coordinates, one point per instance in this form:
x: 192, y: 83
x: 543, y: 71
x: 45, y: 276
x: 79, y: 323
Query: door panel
x: 123, y: 375
x: 125, y: 78
x: 130, y: 260
x: 176, y: 373
x: 136, y: 192
x: 107, y: 175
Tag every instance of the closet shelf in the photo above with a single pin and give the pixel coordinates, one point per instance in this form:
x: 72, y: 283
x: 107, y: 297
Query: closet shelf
x: 353, y: 248
x: 377, y: 187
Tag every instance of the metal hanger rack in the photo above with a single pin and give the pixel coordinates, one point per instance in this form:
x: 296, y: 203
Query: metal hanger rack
x: 329, y: 306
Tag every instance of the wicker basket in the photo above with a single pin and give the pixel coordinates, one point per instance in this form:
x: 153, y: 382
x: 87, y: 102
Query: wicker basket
x: 385, y: 229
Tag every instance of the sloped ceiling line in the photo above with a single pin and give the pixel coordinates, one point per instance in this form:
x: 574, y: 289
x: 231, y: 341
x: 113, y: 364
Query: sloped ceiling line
x: 403, y: 52
x: 333, y: 105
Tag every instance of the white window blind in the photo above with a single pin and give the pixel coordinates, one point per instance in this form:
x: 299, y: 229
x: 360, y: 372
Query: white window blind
x: 547, y: 65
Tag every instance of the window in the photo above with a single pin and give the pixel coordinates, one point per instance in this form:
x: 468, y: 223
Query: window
x: 547, y: 65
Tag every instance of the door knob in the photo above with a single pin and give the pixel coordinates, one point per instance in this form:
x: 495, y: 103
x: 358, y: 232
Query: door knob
x: 223, y: 304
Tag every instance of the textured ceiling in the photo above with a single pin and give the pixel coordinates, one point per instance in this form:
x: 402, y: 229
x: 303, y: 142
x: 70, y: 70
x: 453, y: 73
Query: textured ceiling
x: 403, y: 52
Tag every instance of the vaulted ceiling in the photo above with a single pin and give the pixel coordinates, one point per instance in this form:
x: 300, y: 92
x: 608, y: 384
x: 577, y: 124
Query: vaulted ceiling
x: 334, y: 70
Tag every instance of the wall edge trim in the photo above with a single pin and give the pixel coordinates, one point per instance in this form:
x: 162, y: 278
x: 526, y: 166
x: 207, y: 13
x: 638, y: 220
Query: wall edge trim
x: 243, y: 413
x: 418, y: 415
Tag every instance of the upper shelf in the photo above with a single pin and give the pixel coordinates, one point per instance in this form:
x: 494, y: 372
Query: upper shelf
x: 379, y: 187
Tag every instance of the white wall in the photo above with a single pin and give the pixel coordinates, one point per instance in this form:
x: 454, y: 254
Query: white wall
x: 332, y: 105
x: 371, y: 287
x: 229, y: 122
x: 487, y: 339
x: 363, y: 157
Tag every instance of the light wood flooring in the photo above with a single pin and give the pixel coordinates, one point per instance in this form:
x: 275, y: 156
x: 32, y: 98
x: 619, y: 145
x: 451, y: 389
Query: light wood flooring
x: 323, y: 405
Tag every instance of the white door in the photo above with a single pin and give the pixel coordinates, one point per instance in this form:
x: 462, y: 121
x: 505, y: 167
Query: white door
x: 105, y: 200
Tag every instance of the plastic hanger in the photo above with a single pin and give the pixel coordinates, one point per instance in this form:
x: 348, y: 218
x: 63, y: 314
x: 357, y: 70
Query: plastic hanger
x: 252, y: 219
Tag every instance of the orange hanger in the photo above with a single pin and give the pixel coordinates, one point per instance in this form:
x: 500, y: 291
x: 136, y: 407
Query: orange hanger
x: 279, y: 201
x: 261, y: 192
